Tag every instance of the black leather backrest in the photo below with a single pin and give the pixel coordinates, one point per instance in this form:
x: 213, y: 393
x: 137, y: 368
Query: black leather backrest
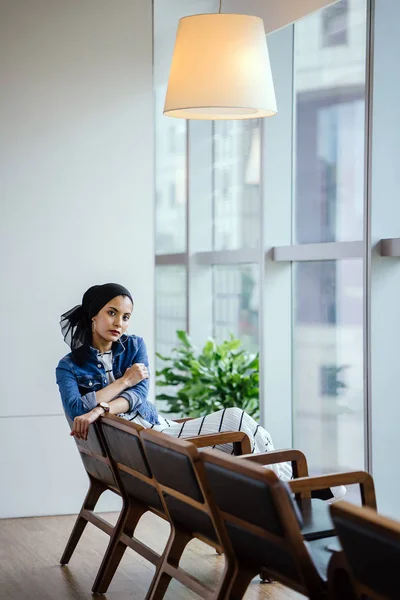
x: 245, y: 497
x: 190, y: 518
x: 251, y: 500
x: 250, y: 548
x: 140, y: 490
x: 373, y: 556
x: 125, y: 448
x: 94, y: 467
x: 99, y: 470
x: 92, y: 444
x: 173, y: 469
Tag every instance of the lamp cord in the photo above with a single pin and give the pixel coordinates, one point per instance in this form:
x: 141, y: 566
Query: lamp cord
x: 220, y: 6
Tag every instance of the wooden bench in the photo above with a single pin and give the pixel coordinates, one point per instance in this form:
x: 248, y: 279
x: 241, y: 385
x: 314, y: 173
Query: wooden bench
x: 244, y: 511
x: 102, y: 455
x: 371, y: 553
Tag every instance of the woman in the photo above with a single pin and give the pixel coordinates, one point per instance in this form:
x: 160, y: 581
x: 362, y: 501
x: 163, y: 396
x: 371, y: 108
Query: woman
x: 107, y: 371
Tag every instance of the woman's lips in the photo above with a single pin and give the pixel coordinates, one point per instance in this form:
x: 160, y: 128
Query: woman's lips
x: 114, y: 332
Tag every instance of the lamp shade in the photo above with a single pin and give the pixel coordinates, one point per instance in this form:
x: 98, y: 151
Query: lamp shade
x: 220, y: 69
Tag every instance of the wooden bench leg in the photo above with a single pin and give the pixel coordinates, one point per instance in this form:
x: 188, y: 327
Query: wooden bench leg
x: 264, y: 577
x: 127, y: 522
x: 241, y: 582
x: 95, y: 490
x: 340, y: 586
x: 176, y: 545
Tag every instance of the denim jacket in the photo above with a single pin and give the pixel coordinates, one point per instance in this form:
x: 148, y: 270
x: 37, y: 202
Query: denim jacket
x: 78, y: 384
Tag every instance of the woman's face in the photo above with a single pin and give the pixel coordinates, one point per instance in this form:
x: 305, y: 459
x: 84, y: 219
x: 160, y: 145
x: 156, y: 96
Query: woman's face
x: 112, y: 320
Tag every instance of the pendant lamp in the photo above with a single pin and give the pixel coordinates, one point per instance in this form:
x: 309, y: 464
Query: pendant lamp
x: 220, y: 69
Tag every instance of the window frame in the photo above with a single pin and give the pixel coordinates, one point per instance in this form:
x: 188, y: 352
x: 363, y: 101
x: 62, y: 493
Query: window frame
x: 275, y: 261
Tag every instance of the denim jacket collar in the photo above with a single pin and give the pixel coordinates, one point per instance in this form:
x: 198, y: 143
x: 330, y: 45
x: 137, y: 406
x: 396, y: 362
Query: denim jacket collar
x: 117, y: 348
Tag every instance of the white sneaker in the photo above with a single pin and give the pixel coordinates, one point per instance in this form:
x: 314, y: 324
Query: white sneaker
x: 338, y: 493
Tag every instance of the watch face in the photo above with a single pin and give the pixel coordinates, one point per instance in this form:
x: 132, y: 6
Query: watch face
x: 105, y: 406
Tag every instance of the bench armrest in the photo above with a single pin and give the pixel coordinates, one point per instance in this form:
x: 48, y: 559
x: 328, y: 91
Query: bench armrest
x: 305, y: 485
x: 296, y: 457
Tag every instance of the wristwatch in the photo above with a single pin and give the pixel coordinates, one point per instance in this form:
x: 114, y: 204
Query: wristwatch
x: 105, y: 407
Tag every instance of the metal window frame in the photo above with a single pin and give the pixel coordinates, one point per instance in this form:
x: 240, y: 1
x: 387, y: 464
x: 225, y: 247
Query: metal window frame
x: 322, y: 251
x: 178, y: 258
x: 369, y: 83
x: 390, y: 247
x: 228, y: 257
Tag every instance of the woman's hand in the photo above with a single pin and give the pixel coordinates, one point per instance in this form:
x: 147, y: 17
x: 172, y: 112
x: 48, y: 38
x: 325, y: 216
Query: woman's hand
x: 135, y: 374
x: 82, y: 423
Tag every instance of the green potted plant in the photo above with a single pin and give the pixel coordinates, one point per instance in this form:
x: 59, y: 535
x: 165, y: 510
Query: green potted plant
x: 201, y: 382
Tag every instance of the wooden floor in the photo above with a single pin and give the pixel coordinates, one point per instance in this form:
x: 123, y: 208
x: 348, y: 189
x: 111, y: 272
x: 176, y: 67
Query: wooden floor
x: 30, y: 550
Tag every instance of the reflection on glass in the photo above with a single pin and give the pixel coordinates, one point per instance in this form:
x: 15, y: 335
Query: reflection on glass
x: 335, y: 24
x: 170, y: 306
x: 328, y: 364
x: 330, y: 54
x: 170, y: 179
x: 236, y: 303
x: 236, y: 184
x: 170, y: 314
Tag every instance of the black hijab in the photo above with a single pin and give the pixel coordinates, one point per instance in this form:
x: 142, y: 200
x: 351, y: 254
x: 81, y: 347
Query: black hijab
x: 76, y: 323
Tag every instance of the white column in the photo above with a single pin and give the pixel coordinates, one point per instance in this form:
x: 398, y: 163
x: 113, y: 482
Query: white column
x: 385, y: 272
x: 277, y: 202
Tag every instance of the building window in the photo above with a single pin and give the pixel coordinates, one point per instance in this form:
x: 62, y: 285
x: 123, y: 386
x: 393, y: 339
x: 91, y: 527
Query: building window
x: 335, y: 24
x: 331, y: 380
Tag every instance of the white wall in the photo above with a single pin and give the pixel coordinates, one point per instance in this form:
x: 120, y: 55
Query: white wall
x: 277, y: 172
x: 76, y: 198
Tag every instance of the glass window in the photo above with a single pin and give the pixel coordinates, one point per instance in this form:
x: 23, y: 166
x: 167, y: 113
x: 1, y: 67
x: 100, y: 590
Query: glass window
x: 170, y: 300
x: 170, y: 306
x: 328, y: 402
x: 330, y: 122
x: 328, y: 364
x: 170, y: 179
x: 236, y: 184
x: 236, y: 303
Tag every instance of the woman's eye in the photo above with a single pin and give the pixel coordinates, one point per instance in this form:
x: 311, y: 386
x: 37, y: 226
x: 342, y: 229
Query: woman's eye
x: 111, y: 312
x: 126, y: 318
